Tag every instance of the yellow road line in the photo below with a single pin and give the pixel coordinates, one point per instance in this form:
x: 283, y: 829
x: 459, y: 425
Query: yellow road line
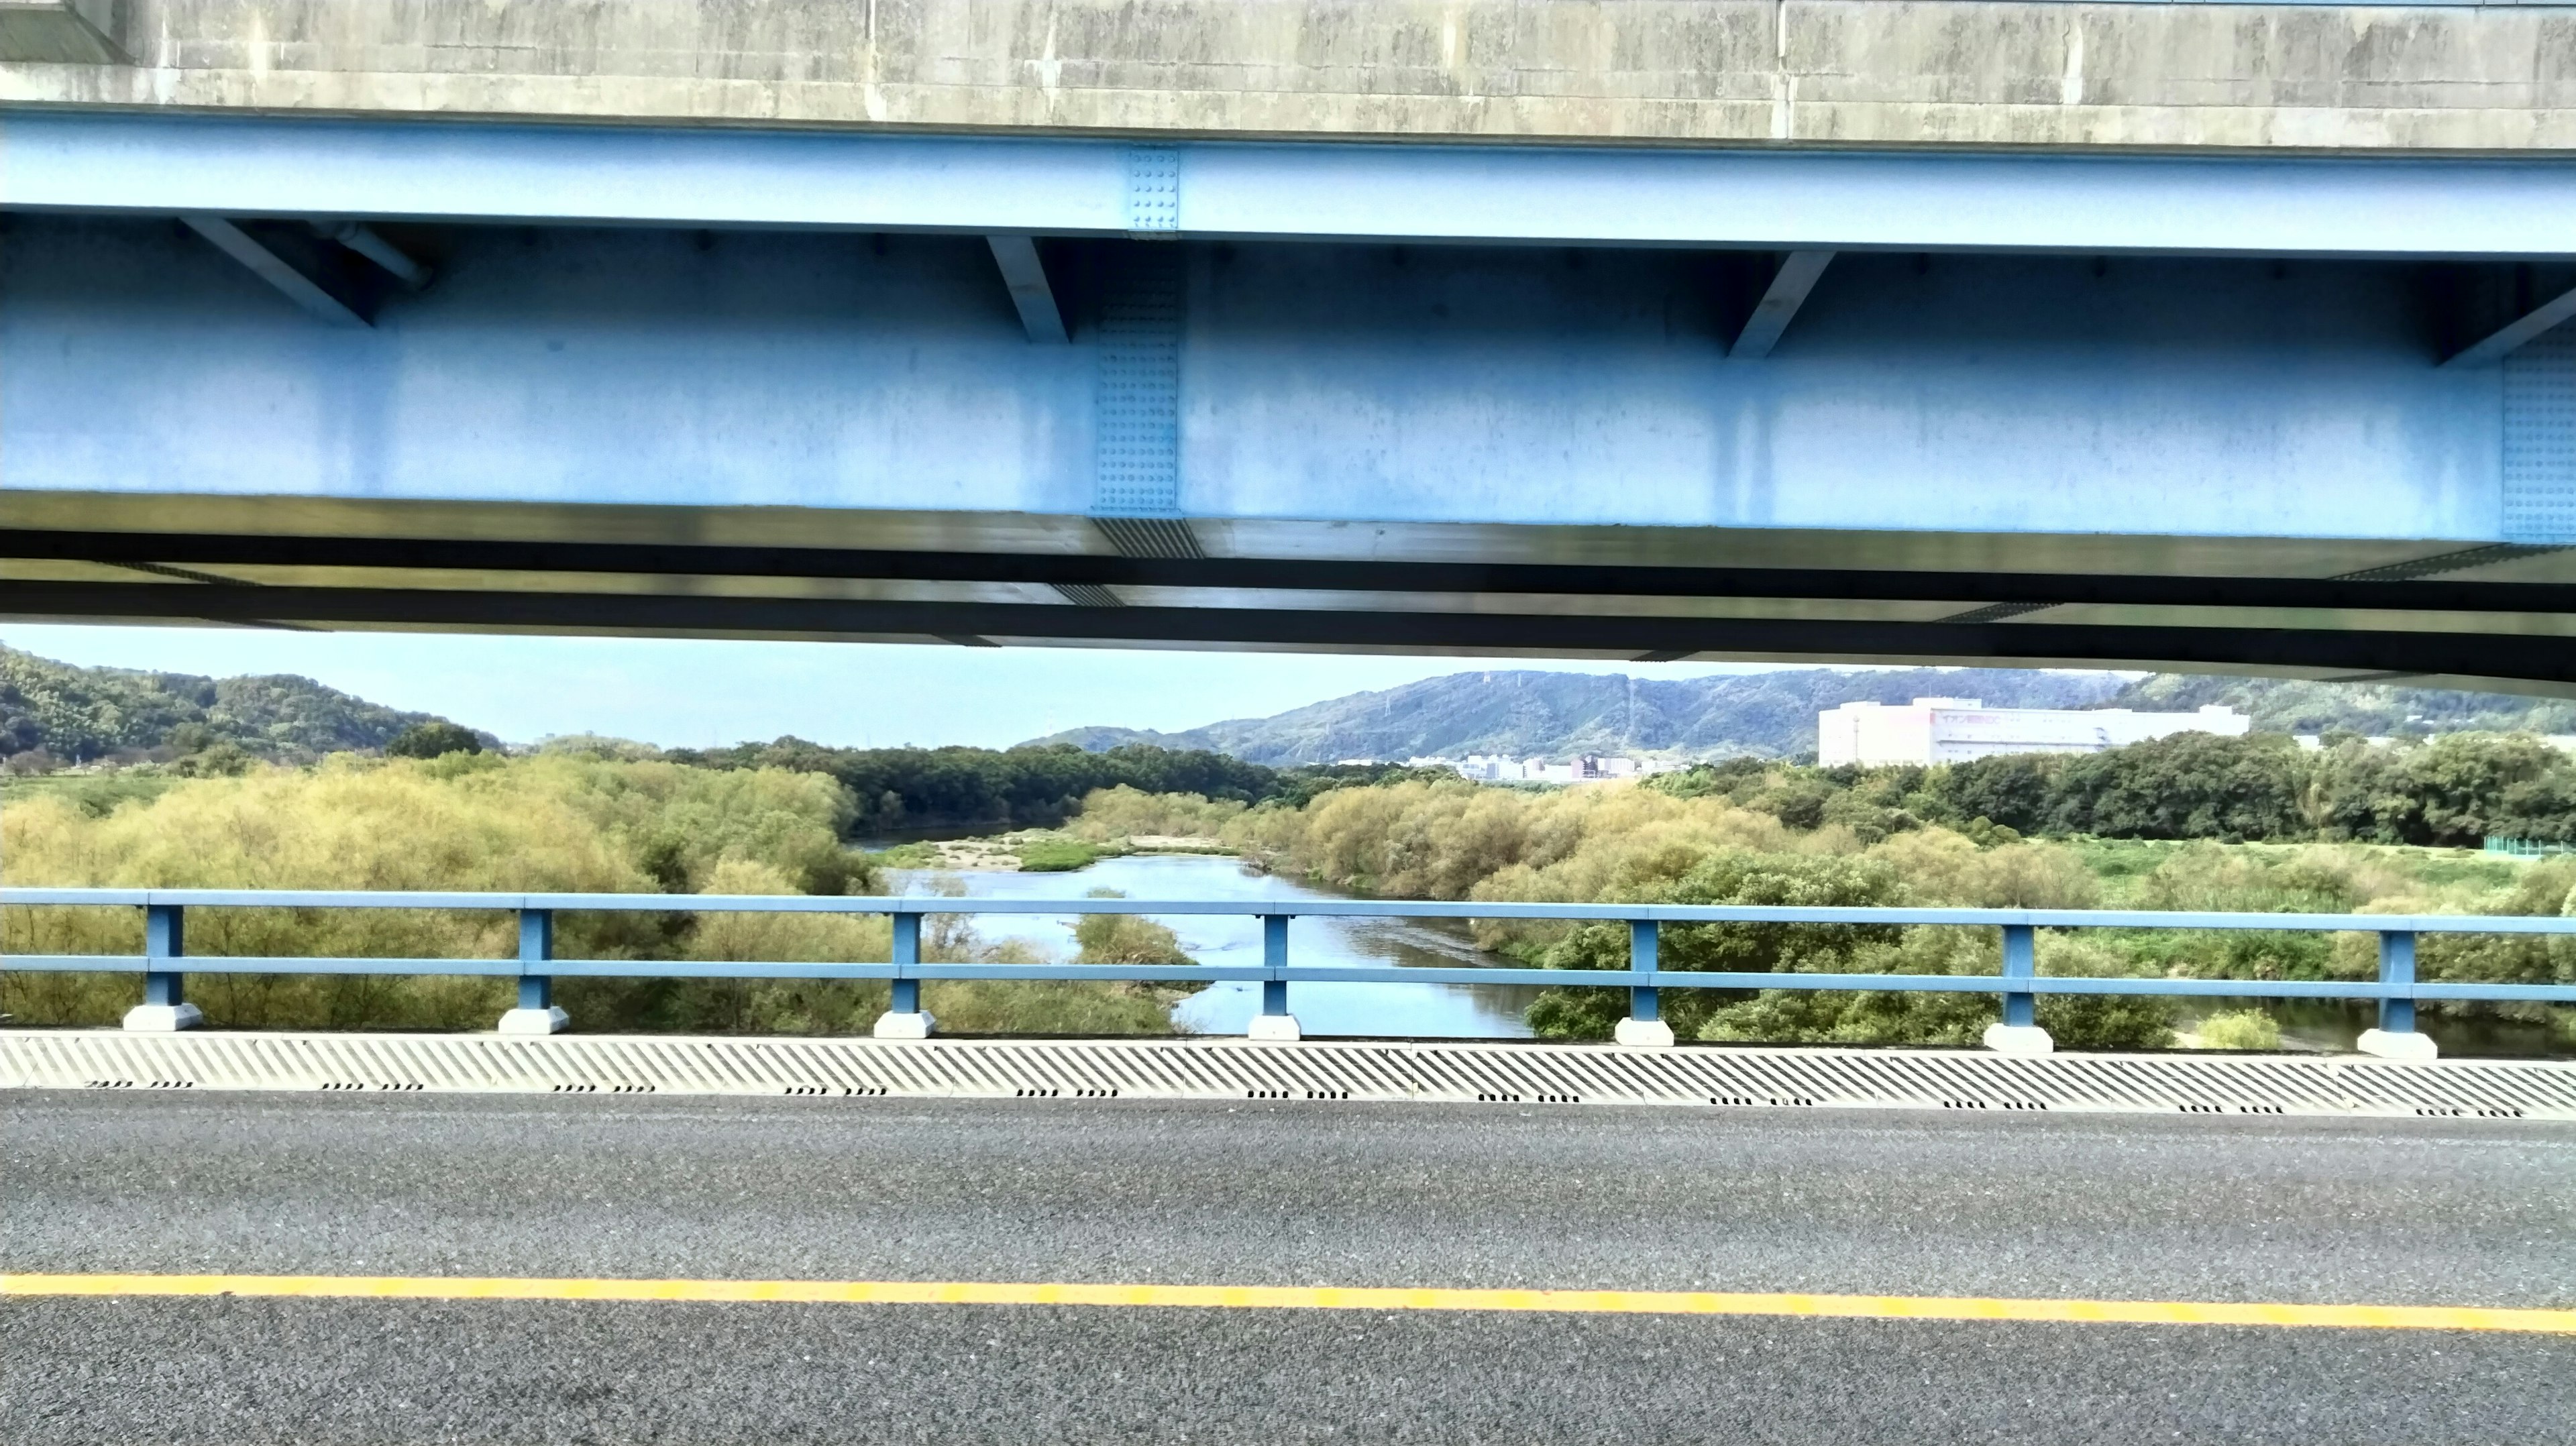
x: 1296, y: 1297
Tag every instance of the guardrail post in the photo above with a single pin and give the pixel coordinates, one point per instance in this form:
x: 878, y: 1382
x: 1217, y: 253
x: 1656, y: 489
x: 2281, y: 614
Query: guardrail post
x: 1644, y: 1028
x: 2018, y: 1032
x: 164, y: 1010
x: 537, y: 1012
x: 904, y: 1017
x: 2396, y: 1038
x: 1274, y: 1022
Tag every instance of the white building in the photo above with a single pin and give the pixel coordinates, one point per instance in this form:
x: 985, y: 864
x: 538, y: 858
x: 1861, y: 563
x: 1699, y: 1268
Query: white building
x: 1495, y: 768
x: 1954, y: 730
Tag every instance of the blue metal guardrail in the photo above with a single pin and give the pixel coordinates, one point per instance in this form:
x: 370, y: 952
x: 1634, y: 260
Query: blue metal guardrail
x: 165, y: 961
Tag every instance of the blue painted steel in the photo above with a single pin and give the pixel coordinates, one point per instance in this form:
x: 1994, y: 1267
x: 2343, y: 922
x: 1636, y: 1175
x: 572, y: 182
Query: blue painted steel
x: 2397, y: 968
x: 907, y: 964
x: 1318, y: 974
x: 1274, y: 964
x: 536, y: 947
x: 1136, y: 424
x: 2540, y: 440
x: 1771, y: 200
x: 2021, y: 961
x: 1153, y: 192
x: 2397, y: 987
x: 1642, y: 1000
x: 1985, y: 394
x: 164, y: 943
x: 916, y: 904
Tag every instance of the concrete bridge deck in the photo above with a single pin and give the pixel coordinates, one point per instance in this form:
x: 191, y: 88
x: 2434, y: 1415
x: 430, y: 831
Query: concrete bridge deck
x: 2438, y: 77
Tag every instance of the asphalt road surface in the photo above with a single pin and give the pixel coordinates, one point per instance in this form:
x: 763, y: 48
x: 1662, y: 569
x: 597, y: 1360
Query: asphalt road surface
x: 2127, y: 1208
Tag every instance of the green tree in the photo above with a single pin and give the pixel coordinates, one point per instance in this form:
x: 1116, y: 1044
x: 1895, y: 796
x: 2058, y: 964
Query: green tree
x: 1728, y: 877
x: 2188, y: 785
x: 434, y: 739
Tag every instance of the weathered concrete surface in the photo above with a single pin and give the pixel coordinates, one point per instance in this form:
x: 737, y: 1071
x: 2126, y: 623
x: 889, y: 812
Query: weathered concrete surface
x: 1823, y: 72
x: 71, y: 32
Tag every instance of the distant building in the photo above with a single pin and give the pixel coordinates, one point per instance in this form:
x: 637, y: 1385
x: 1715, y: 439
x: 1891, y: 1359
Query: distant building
x: 1495, y: 768
x: 1955, y: 730
x: 2315, y: 742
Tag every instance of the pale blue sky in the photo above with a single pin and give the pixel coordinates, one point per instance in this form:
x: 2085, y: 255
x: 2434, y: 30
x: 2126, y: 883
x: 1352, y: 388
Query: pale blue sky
x: 691, y: 693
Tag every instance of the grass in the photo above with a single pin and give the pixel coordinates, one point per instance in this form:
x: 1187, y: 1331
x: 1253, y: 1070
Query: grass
x: 1057, y: 855
x: 94, y: 794
x: 2239, y: 1029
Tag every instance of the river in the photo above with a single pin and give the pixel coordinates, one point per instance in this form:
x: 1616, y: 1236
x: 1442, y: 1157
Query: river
x: 1470, y: 1011
x: 1411, y: 1011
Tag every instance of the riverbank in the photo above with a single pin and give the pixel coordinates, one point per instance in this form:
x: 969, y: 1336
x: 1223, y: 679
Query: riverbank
x: 1036, y: 851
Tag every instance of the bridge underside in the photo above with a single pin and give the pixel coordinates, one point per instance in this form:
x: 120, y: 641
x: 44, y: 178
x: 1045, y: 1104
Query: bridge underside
x: 2491, y: 617
x: 1682, y: 429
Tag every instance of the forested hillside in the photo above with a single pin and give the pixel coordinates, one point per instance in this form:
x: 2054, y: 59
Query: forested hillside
x: 2289, y: 705
x: 75, y: 715
x: 1773, y: 715
x: 1520, y: 712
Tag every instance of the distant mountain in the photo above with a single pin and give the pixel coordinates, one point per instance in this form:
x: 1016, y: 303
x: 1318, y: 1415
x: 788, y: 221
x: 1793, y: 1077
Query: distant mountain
x: 2283, y: 705
x: 1773, y: 715
x: 77, y: 714
x: 1558, y: 714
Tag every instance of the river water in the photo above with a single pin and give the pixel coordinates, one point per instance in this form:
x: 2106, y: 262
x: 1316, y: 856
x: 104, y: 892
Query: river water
x: 1464, y: 1011
x: 1419, y: 1011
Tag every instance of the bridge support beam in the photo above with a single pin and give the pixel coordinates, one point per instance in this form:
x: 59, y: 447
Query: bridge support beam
x: 1797, y: 276
x: 1024, y: 272
x: 1274, y: 1023
x: 2019, y: 1032
x: 370, y: 243
x: 537, y: 1012
x: 2529, y: 326
x: 904, y: 1017
x: 163, y: 1011
x: 2396, y: 1037
x: 1644, y: 1028
x: 326, y: 298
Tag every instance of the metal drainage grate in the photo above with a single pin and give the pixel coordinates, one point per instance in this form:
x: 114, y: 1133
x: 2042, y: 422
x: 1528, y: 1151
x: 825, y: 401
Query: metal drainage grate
x: 1184, y: 1069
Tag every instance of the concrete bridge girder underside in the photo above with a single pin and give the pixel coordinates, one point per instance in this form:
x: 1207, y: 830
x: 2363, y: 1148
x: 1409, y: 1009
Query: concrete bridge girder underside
x: 2186, y: 413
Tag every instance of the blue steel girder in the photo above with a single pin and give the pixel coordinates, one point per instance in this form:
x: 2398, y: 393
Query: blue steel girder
x: 1930, y: 200
x: 2050, y: 409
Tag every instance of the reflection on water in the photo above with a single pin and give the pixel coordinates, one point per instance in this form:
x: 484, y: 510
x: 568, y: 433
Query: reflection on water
x: 1444, y: 1011
x: 2334, y: 1026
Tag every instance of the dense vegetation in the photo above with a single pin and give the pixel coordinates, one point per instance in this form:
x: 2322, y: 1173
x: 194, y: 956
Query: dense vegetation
x: 2453, y: 790
x: 223, y: 783
x: 1693, y: 842
x: 435, y: 739
x: 893, y: 789
x: 563, y: 821
x: 581, y: 820
x: 54, y: 713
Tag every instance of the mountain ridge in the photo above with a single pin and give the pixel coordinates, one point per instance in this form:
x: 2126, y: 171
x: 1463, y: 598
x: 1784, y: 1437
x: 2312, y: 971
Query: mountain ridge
x: 76, y: 714
x: 1526, y: 712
